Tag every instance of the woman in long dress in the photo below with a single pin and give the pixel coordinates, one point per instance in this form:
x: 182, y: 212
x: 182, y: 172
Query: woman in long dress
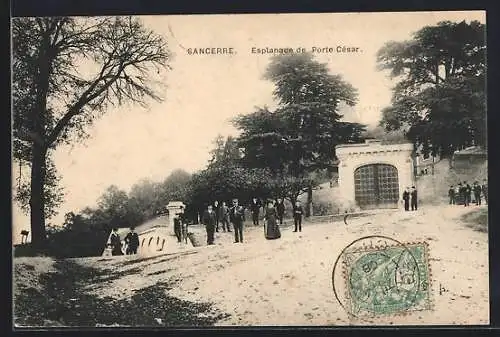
x: 271, y: 229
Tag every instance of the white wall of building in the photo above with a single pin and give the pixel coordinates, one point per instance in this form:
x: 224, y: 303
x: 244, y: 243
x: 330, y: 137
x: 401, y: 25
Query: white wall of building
x: 352, y: 156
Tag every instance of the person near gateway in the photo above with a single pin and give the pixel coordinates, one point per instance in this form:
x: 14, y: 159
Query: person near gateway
x: 476, y: 189
x: 451, y: 195
x: 406, y: 199
x: 132, y: 241
x: 413, y: 198
x: 467, y: 194
x: 484, y: 189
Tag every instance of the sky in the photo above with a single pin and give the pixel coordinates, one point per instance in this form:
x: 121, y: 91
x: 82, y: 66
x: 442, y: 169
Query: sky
x: 202, y: 93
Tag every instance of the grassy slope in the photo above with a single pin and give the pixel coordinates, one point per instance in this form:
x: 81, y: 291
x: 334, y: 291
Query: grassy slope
x: 54, y: 296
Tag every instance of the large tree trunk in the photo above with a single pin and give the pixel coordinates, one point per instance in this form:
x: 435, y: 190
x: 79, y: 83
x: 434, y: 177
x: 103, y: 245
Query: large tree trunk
x: 309, y: 201
x: 37, y: 197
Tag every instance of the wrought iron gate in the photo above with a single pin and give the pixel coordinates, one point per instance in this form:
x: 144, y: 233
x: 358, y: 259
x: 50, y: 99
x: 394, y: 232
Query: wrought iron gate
x: 376, y: 186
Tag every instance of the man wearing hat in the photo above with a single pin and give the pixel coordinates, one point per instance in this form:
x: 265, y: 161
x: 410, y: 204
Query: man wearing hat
x: 132, y: 241
x: 237, y: 216
x: 209, y: 220
x: 413, y: 196
x: 476, y: 189
x: 484, y: 189
x: 255, y: 208
x: 406, y: 199
x: 178, y: 225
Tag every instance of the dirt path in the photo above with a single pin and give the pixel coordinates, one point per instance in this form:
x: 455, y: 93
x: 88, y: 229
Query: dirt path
x: 288, y: 281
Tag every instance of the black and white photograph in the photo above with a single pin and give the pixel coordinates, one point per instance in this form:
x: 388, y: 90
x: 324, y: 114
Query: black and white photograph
x: 226, y: 170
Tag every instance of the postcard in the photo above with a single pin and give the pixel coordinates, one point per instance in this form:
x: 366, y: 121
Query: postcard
x: 250, y: 170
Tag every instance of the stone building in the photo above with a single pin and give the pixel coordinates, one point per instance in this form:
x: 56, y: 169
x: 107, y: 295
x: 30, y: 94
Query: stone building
x: 374, y: 174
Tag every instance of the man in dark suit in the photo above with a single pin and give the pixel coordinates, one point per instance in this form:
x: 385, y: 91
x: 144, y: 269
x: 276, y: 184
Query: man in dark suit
x: 255, y: 208
x: 297, y: 216
x: 414, y: 198
x: 209, y: 220
x: 467, y: 191
x: 132, y: 241
x: 178, y: 227
x: 237, y: 216
x: 476, y: 189
x: 451, y: 195
x: 461, y: 193
x: 280, y: 210
x: 406, y: 199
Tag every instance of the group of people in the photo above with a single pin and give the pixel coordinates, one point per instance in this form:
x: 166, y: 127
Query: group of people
x: 131, y: 242
x: 216, y: 215
x: 223, y: 215
x: 410, y: 197
x: 462, y: 193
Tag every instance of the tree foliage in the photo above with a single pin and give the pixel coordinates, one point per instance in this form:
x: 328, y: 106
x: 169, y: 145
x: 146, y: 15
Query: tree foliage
x: 439, y: 99
x: 66, y: 73
x: 298, y: 138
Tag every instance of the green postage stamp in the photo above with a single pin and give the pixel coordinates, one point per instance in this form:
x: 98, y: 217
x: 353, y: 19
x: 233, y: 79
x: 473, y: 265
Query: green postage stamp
x: 387, y: 280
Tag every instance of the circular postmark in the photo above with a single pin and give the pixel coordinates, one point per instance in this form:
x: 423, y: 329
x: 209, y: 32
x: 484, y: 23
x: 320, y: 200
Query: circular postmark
x: 377, y: 275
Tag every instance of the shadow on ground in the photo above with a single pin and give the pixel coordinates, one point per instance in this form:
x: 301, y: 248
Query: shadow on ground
x: 61, y: 302
x: 477, y: 220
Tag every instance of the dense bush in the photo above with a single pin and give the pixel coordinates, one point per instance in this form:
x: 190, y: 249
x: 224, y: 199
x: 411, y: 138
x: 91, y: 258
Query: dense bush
x: 81, y: 242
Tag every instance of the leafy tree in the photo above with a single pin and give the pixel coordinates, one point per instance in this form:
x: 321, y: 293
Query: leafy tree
x: 114, y: 203
x: 299, y: 137
x: 174, y: 187
x: 66, y: 73
x: 144, y: 197
x: 439, y: 99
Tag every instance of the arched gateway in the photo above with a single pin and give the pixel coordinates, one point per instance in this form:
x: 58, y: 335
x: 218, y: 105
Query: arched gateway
x: 374, y: 175
x: 376, y: 186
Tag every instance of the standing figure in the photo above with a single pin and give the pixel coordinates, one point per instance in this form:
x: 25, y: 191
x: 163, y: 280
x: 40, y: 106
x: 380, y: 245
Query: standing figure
x: 115, y: 243
x: 413, y: 195
x: 467, y: 191
x: 237, y: 216
x: 271, y: 229
x: 461, y: 193
x: 477, y: 193
x: 178, y: 227
x: 280, y: 209
x: 224, y: 216
x: 406, y: 199
x: 209, y: 220
x: 216, y: 211
x: 451, y: 195
x: 297, y: 216
x: 484, y: 189
x: 458, y: 192
x: 132, y: 241
x: 255, y: 208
